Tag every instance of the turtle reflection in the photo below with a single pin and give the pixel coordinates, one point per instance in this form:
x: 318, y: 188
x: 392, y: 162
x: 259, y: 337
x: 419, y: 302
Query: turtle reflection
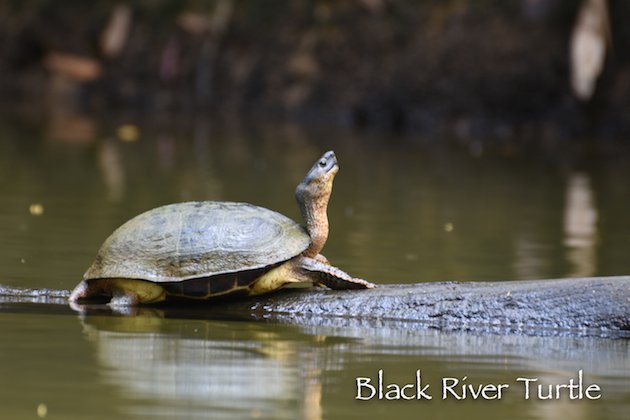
x: 218, y: 367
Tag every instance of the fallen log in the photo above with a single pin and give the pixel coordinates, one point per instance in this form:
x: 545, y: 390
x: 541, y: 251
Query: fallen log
x: 593, y: 306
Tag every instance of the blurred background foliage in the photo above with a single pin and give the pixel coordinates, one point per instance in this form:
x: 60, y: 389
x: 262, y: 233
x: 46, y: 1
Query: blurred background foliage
x: 492, y: 68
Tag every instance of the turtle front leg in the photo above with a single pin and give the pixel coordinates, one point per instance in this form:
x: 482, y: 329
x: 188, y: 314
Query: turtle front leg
x: 331, y: 277
x: 323, y: 259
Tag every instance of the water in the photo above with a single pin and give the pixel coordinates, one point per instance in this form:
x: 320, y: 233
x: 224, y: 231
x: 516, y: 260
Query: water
x: 403, y: 210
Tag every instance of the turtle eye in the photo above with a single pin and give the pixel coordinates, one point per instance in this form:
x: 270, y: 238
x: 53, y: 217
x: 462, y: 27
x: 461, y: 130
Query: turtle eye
x: 323, y: 163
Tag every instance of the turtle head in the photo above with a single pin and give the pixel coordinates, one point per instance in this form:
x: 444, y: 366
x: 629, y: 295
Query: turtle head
x: 318, y: 181
x: 312, y: 195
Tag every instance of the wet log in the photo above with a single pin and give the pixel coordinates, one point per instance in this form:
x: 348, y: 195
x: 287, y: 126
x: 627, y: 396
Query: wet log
x: 594, y: 306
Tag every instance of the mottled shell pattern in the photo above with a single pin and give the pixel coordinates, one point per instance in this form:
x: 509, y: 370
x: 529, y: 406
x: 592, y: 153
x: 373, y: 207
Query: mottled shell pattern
x: 190, y: 240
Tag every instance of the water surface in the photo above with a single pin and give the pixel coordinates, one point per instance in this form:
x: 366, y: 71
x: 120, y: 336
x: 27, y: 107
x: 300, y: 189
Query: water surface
x: 404, y: 209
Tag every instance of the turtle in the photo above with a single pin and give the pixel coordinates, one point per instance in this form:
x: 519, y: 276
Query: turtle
x: 208, y: 249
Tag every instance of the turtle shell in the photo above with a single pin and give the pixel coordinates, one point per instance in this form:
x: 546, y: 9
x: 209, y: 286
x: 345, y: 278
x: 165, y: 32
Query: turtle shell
x: 201, y: 239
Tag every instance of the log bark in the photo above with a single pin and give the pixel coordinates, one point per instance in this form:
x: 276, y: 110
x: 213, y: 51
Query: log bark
x: 593, y: 306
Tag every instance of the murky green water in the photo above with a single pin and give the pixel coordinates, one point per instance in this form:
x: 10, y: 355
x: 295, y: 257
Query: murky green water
x: 403, y: 210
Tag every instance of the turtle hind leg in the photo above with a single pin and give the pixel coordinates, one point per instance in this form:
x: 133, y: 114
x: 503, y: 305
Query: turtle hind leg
x: 123, y: 292
x: 88, y: 290
x: 131, y: 292
x: 124, y: 298
x: 102, y: 290
x: 330, y: 276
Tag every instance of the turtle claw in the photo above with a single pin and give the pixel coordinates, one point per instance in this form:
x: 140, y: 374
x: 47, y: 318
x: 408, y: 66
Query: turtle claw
x: 350, y: 283
x: 330, y: 276
x: 366, y: 284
